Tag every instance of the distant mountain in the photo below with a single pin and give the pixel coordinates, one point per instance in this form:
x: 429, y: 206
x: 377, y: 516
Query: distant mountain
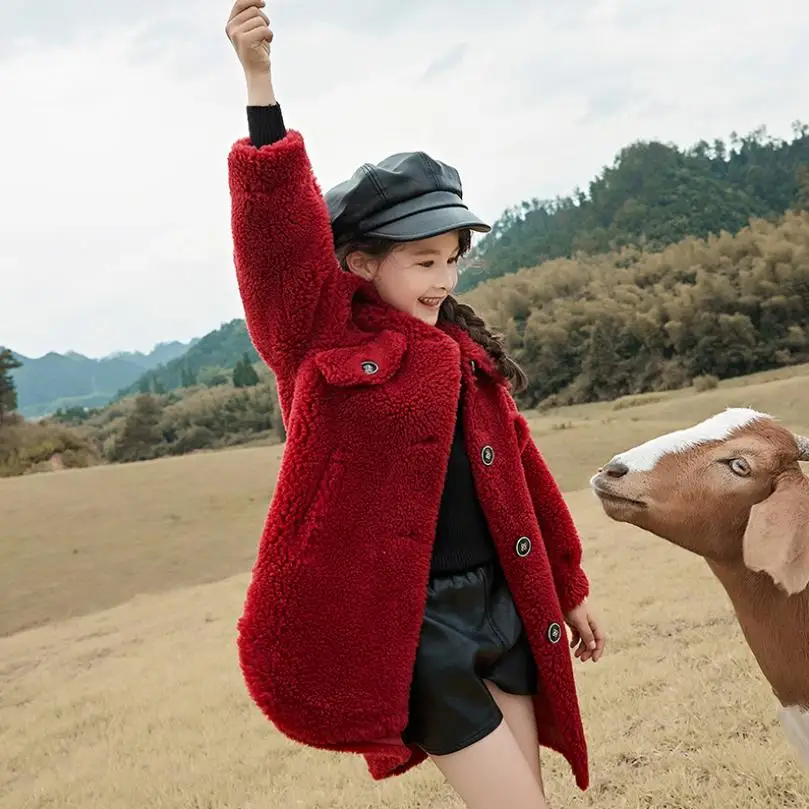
x: 159, y: 355
x: 47, y: 383
x: 216, y: 352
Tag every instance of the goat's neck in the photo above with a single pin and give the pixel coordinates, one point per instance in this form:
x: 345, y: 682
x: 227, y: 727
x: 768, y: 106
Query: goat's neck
x: 776, y: 629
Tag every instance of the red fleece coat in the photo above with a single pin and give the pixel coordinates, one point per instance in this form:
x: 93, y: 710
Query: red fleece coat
x: 331, y: 623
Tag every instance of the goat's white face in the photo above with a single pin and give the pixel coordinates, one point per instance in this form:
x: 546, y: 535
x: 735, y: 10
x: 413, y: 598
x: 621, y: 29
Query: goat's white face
x: 645, y: 457
x: 696, y: 487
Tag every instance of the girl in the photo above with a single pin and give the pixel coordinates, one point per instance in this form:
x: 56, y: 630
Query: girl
x: 418, y: 560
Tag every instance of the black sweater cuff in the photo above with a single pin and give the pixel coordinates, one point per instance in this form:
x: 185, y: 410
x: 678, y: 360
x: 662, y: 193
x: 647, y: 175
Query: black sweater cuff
x: 265, y: 125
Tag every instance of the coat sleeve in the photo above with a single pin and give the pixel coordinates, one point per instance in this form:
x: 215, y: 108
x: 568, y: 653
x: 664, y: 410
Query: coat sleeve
x: 558, y: 529
x: 286, y: 268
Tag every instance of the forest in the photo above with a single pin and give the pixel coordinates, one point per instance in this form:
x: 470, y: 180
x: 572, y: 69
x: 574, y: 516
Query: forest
x: 653, y: 195
x: 630, y: 321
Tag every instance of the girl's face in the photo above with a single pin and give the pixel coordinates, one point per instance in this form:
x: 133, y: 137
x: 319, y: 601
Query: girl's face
x: 414, y: 277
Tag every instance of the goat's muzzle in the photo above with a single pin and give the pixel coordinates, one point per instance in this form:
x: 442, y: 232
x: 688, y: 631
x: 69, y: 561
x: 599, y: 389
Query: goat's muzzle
x: 606, y: 484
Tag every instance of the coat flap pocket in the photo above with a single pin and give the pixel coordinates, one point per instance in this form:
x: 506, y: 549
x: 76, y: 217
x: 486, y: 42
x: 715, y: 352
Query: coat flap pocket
x: 369, y: 363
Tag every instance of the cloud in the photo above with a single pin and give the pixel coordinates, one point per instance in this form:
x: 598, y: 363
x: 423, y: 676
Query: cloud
x: 115, y: 231
x: 447, y: 61
x: 26, y: 26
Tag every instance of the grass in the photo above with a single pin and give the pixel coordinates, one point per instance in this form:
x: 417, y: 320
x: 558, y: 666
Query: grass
x: 119, y: 684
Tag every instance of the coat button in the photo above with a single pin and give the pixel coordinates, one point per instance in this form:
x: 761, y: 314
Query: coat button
x: 554, y: 633
x: 473, y: 365
x: 523, y: 546
x: 370, y: 367
x: 487, y: 455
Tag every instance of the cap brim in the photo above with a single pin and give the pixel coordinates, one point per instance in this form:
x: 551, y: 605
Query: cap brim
x: 433, y: 222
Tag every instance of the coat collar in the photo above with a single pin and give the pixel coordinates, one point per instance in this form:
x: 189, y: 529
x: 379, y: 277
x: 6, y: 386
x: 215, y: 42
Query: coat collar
x: 473, y: 354
x: 372, y: 313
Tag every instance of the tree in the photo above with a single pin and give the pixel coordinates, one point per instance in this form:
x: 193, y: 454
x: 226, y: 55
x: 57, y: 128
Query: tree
x: 187, y: 377
x: 8, y: 390
x: 141, y: 436
x: 244, y: 375
x: 157, y: 387
x: 802, y: 179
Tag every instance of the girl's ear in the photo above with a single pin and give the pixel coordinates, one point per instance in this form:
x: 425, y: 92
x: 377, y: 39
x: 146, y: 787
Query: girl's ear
x: 361, y: 264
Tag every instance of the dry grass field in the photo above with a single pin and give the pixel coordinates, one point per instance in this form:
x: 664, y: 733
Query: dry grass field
x: 120, y: 588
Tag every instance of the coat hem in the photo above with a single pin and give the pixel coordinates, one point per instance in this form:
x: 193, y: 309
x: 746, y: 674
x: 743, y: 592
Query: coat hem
x: 384, y: 756
x: 387, y: 758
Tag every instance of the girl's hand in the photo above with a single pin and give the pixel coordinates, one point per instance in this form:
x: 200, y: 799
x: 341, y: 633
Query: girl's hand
x: 248, y: 29
x: 586, y: 633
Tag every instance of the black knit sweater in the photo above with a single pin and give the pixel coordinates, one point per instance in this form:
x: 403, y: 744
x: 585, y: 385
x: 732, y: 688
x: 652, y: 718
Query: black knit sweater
x: 462, y: 539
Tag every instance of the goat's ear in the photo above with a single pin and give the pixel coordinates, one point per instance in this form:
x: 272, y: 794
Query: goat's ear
x: 776, y: 540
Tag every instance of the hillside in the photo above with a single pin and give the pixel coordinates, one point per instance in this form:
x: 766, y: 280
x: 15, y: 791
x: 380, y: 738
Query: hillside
x: 145, y: 426
x: 598, y: 327
x: 41, y: 446
x: 240, y: 407
x: 44, y: 384
x: 654, y: 194
x: 211, y: 358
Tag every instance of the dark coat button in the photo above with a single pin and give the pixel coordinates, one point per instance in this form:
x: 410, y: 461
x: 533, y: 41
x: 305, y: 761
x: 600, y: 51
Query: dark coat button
x: 487, y: 455
x: 554, y: 633
x: 523, y: 546
x: 370, y: 367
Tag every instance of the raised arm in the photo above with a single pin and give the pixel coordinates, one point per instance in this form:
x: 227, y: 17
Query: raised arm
x: 286, y: 268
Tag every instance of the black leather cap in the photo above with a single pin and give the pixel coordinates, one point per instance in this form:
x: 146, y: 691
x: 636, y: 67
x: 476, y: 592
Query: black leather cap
x: 404, y: 197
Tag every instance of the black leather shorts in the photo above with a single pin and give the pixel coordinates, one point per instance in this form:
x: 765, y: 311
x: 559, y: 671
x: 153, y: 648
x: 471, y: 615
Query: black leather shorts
x: 471, y: 632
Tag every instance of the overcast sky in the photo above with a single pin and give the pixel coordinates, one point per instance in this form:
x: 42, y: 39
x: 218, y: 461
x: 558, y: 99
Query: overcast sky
x: 117, y: 119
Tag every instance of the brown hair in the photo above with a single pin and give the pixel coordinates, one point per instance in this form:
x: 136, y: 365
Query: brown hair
x: 452, y: 311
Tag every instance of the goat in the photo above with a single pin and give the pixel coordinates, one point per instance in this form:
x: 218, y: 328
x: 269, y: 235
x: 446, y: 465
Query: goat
x: 730, y: 489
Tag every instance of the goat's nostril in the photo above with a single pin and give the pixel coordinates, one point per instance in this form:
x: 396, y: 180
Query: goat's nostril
x: 616, y: 469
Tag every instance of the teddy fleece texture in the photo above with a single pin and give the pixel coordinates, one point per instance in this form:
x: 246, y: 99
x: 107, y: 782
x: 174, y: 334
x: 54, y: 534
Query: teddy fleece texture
x: 333, y: 612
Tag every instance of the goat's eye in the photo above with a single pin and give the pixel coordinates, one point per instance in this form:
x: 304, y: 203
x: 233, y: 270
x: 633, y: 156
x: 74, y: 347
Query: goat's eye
x: 739, y: 467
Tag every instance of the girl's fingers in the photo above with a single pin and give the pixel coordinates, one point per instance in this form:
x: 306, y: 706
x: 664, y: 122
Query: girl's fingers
x: 242, y: 5
x: 600, y: 639
x: 246, y: 16
x: 574, y: 637
x: 252, y: 26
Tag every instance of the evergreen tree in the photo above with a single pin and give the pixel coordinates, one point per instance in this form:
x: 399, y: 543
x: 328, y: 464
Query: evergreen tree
x: 802, y: 179
x: 156, y: 386
x: 187, y: 377
x: 141, y: 434
x: 244, y: 375
x: 238, y: 374
x: 8, y: 390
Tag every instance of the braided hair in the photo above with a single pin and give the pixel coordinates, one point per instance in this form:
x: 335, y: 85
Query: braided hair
x: 452, y: 311
x: 463, y: 315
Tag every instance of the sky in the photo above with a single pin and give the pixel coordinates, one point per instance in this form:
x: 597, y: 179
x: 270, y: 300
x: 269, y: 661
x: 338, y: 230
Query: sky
x: 117, y: 119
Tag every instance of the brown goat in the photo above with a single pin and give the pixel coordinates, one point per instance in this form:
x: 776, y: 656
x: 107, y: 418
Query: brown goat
x: 730, y: 489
